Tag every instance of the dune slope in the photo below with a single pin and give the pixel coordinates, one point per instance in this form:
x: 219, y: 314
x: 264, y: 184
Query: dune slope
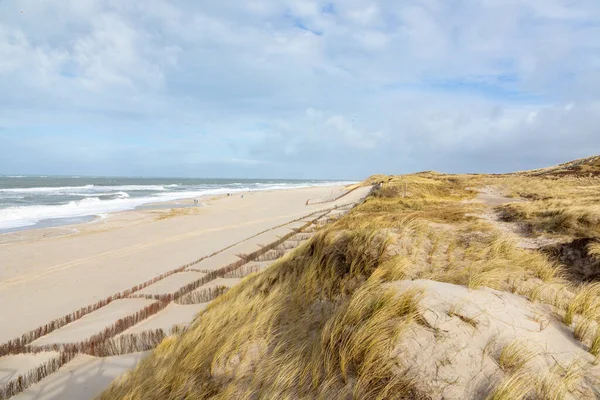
x: 416, y: 293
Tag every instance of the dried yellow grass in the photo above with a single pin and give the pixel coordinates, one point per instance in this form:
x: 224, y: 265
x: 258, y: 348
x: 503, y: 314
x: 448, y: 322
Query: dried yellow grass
x: 585, y: 303
x: 559, y: 382
x: 514, y: 387
x: 323, y: 324
x: 255, y: 339
x: 516, y: 355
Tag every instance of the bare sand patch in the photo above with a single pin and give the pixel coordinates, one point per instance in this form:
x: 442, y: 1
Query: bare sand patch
x: 85, y: 377
x: 253, y: 244
x: 338, y: 212
x: 493, y: 197
x: 173, y: 314
x: 94, y: 323
x: 218, y: 261
x: 247, y: 247
x: 249, y: 268
x: 272, y: 236
x: 19, y: 364
x: 171, y: 284
x: 295, y: 225
x: 236, y: 253
x: 455, y: 353
x: 208, y: 291
x: 335, y: 195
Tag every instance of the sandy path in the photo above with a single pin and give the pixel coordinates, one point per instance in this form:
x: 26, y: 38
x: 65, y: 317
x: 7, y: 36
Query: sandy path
x: 43, y: 278
x: 493, y: 197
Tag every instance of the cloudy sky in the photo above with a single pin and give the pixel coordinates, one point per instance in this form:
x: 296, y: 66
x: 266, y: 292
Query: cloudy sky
x: 296, y: 88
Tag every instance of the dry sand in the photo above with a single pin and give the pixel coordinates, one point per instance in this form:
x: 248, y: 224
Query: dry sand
x: 492, y: 197
x: 19, y: 364
x: 173, y: 314
x: 457, y: 356
x: 93, y: 323
x: 52, y: 272
x: 49, y: 273
x: 171, y: 284
x: 85, y: 377
x: 249, y: 268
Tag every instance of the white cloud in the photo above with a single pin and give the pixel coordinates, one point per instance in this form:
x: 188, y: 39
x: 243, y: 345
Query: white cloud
x: 371, y: 83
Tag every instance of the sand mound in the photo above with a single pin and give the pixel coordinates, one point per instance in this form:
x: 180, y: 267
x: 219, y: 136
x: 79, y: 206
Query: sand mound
x: 468, y: 338
x: 584, y: 167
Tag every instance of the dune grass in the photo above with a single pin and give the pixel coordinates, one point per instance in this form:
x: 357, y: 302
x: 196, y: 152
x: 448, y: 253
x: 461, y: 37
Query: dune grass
x: 516, y: 355
x: 566, y: 206
x: 255, y: 337
x: 514, y: 387
x: 323, y: 323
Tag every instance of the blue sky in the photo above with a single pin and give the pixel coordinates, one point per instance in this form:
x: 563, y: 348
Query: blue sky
x: 296, y: 89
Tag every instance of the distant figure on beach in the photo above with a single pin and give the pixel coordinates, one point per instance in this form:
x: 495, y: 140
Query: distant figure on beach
x: 242, y: 196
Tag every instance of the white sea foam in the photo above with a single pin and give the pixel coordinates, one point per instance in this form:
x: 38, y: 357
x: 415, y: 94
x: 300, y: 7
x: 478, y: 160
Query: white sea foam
x: 121, y: 195
x: 23, y: 216
x: 87, y: 188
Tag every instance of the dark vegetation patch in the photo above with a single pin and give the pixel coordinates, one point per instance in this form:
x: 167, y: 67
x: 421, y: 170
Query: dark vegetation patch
x: 580, y: 265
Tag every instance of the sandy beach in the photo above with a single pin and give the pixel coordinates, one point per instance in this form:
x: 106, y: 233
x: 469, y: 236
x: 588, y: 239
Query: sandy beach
x: 48, y: 273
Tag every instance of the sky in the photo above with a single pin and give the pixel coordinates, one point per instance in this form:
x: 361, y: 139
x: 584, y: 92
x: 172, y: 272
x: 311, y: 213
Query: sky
x: 296, y: 88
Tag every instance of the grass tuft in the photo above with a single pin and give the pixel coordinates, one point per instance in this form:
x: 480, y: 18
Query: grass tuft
x: 514, y: 387
x: 585, y: 303
x: 516, y: 355
x: 456, y: 310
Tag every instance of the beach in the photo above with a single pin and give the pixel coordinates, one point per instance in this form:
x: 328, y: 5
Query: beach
x: 51, y: 272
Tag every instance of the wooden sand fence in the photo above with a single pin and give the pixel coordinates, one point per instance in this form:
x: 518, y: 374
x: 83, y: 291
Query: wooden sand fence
x: 99, y: 344
x: 22, y: 382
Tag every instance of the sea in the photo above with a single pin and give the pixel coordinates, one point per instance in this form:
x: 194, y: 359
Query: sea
x: 28, y: 202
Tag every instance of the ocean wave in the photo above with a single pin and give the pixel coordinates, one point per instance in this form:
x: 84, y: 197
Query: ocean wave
x: 44, y: 189
x: 14, y: 217
x: 121, y: 195
x: 87, y: 188
x: 23, y: 216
